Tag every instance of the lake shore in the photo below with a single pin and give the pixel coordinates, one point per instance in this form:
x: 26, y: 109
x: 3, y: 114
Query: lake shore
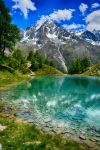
x: 11, y: 114
x: 16, y: 134
x: 52, y: 127
x: 14, y: 127
x: 7, y: 78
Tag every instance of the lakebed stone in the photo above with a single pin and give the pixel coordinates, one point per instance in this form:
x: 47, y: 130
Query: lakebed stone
x: 82, y: 137
x: 98, y: 135
x: 93, y: 140
x: 90, y: 144
x: 48, y: 121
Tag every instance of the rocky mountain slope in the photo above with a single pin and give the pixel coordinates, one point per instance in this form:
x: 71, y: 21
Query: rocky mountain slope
x: 91, y: 37
x: 59, y: 45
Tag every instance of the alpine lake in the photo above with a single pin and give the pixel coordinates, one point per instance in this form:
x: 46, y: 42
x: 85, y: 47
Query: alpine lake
x: 68, y: 105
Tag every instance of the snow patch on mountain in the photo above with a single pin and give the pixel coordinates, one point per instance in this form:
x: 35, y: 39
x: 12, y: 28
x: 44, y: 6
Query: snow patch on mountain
x: 59, y: 44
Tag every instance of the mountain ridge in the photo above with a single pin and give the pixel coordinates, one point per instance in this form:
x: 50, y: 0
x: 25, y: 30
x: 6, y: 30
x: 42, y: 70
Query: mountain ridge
x: 60, y: 45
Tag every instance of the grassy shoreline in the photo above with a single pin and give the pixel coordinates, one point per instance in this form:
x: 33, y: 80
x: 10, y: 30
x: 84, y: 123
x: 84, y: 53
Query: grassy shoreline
x: 23, y: 136
x: 8, y: 79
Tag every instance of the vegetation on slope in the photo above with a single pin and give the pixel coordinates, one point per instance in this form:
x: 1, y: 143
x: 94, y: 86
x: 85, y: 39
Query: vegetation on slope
x: 93, y: 70
x: 7, y: 78
x: 18, y: 67
x: 48, y: 70
x: 79, y: 66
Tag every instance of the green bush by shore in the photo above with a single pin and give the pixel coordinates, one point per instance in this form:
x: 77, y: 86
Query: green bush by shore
x: 93, y: 70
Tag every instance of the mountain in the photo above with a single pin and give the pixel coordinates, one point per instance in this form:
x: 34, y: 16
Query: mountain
x: 88, y: 35
x: 97, y: 34
x: 91, y: 37
x: 59, y: 45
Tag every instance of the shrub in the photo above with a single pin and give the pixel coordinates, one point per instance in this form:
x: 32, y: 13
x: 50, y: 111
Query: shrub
x: 30, y: 55
x: 79, y: 66
x: 40, y: 59
x: 35, y: 65
x: 49, y: 63
x: 23, y: 69
x: 18, y: 54
x: 13, y: 63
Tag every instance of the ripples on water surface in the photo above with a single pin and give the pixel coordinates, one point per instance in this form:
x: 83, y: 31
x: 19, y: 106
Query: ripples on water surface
x: 67, y: 101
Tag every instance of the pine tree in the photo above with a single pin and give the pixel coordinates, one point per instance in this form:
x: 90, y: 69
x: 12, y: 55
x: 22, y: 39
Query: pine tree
x: 9, y: 33
x: 79, y: 65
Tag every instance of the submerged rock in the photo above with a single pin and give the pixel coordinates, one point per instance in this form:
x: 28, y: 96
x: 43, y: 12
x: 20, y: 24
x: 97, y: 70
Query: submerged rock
x: 7, y: 109
x: 98, y: 135
x: 82, y: 137
x: 93, y: 140
x: 66, y: 131
x: 49, y: 126
x: 97, y: 139
x: 48, y: 120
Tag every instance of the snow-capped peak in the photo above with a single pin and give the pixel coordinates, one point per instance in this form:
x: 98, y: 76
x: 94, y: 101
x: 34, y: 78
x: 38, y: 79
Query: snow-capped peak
x: 79, y: 32
x: 41, y: 23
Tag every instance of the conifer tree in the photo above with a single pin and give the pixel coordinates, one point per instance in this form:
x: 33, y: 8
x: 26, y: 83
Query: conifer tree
x: 9, y: 33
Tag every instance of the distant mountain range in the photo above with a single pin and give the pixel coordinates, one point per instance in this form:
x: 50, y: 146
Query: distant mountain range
x: 60, y: 45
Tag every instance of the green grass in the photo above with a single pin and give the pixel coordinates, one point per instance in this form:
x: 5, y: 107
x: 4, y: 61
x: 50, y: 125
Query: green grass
x: 93, y: 70
x: 48, y: 70
x: 7, y: 78
x: 22, y: 136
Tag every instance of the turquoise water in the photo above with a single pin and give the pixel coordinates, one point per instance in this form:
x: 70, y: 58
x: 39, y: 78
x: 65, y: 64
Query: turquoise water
x: 68, y: 102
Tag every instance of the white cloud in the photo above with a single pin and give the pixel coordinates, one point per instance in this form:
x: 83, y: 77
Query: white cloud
x: 42, y: 19
x: 95, y: 5
x: 93, y: 21
x: 73, y: 26
x: 24, y: 6
x: 83, y: 7
x: 59, y: 15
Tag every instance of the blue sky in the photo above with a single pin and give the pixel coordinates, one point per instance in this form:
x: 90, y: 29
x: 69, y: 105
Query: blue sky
x: 71, y: 14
